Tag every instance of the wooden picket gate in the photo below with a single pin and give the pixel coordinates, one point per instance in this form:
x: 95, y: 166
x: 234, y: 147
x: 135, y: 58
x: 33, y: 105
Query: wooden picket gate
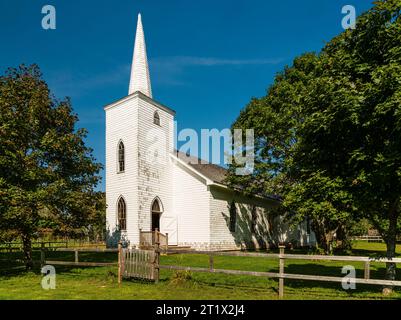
x: 138, y: 264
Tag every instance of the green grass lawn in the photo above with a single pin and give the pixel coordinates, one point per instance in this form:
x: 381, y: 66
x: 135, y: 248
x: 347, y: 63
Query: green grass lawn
x: 101, y: 282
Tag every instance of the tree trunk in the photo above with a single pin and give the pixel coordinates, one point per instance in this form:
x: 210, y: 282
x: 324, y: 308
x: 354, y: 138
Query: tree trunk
x: 391, y: 238
x: 27, y: 247
x: 390, y: 267
x: 321, y: 237
x: 342, y: 239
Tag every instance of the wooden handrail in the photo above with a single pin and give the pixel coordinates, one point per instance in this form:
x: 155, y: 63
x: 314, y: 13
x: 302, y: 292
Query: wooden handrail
x: 148, y: 239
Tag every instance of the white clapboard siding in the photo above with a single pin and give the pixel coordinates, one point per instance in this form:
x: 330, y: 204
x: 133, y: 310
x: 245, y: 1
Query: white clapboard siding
x: 121, y: 119
x: 131, y: 120
x: 191, y: 204
x: 154, y: 174
x: 222, y: 237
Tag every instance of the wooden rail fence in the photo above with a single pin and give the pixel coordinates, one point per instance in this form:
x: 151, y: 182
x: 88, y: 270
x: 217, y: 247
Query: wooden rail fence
x: 76, y: 261
x: 281, y: 275
x: 145, y: 264
x: 373, y: 238
x: 37, y: 245
x: 369, y: 238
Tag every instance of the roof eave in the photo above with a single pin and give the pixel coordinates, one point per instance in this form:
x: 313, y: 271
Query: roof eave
x: 269, y: 198
x: 142, y: 96
x: 210, y: 182
x: 207, y: 180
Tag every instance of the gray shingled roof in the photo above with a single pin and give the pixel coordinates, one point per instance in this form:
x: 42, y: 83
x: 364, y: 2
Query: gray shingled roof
x: 211, y: 171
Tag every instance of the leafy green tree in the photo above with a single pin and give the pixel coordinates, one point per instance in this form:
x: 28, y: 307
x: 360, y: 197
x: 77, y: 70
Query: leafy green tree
x: 96, y: 228
x: 46, y: 171
x: 276, y: 120
x: 361, y: 227
x: 325, y: 202
x: 329, y: 140
x: 352, y: 127
x: 93, y: 229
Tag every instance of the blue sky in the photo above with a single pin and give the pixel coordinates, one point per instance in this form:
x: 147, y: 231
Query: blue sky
x: 207, y: 58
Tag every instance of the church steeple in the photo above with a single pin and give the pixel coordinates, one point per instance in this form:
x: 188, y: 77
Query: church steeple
x: 140, y: 77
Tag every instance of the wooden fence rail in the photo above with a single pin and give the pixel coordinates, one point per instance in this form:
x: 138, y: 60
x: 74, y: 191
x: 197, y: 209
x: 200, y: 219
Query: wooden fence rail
x: 281, y: 275
x: 18, y: 246
x: 373, y: 238
x: 76, y: 261
x: 37, y: 245
x: 369, y: 238
x: 145, y: 264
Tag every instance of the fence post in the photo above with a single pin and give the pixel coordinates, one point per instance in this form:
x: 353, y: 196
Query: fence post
x: 76, y: 256
x: 281, y: 272
x: 119, y: 262
x: 367, y: 270
x: 211, y: 262
x: 157, y: 256
x: 42, y: 255
x: 166, y: 242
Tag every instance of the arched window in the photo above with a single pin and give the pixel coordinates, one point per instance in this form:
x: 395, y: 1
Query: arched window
x: 233, y: 216
x: 156, y: 119
x: 121, y: 157
x: 156, y: 206
x: 122, y: 215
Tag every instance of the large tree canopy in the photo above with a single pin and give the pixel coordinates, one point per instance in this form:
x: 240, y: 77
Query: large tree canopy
x: 47, y: 174
x: 328, y: 133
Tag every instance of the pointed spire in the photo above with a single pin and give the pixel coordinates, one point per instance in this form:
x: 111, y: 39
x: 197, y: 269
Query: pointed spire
x: 140, y: 77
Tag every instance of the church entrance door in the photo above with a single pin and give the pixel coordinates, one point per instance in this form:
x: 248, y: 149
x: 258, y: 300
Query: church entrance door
x: 157, y: 210
x: 155, y: 221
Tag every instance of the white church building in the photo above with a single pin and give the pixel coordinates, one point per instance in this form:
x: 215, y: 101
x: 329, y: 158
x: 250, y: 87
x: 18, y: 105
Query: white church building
x: 170, y: 191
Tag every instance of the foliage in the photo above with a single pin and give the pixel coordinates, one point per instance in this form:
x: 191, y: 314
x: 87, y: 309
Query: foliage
x: 325, y: 203
x: 360, y: 228
x: 352, y: 125
x: 47, y: 173
x: 181, y: 277
x: 277, y: 119
x: 328, y: 133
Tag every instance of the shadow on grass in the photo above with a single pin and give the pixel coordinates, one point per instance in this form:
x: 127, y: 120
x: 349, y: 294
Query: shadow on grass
x: 11, y: 264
